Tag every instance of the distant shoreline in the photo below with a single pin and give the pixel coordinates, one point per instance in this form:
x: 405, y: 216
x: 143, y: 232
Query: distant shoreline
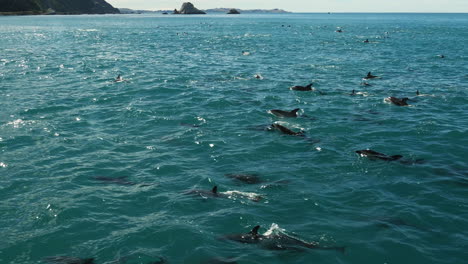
x: 37, y: 13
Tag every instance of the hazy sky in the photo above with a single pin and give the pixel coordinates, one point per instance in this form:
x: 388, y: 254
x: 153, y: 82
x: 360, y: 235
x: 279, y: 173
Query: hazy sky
x: 434, y: 6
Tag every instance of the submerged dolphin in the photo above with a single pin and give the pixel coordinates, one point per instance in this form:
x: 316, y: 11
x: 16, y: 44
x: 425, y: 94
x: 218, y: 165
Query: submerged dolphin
x: 286, y: 130
x: 68, y: 260
x: 276, y: 241
x: 281, y: 113
x: 302, y: 88
x: 374, y: 155
x: 397, y: 101
x: 119, y: 180
x: 247, y: 178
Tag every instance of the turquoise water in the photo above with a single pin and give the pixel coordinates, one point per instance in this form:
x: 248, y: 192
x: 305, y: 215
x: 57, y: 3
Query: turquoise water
x: 191, y: 111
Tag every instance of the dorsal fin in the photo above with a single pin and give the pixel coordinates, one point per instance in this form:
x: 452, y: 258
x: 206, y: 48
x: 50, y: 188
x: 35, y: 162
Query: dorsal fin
x: 309, y: 85
x: 255, y: 230
x: 404, y: 99
x: 215, y: 189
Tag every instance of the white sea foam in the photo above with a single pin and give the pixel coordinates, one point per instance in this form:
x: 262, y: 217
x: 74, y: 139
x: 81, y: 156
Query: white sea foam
x: 249, y: 195
x: 274, y: 229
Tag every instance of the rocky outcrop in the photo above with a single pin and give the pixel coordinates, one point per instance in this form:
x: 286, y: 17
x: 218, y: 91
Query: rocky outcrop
x: 233, y: 12
x: 58, y: 6
x: 189, y: 9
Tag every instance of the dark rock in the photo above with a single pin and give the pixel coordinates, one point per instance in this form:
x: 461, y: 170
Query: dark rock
x: 189, y: 9
x: 233, y: 12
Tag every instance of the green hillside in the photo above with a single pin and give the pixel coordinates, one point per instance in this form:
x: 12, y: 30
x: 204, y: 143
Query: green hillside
x: 59, y: 6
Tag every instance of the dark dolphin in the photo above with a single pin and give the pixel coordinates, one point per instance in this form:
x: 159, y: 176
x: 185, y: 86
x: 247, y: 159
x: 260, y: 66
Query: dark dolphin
x: 68, y: 260
x: 119, y: 180
x: 374, y: 155
x: 281, y: 113
x: 276, y: 241
x: 119, y: 79
x: 247, y: 178
x: 302, y: 88
x: 204, y: 193
x: 370, y: 76
x: 397, y: 101
x: 286, y: 130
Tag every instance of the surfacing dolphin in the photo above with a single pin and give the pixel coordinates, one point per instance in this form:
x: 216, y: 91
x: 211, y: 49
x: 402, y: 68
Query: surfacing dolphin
x: 282, y: 113
x: 374, y: 155
x: 286, y: 130
x: 68, y: 260
x: 207, y: 193
x: 397, y: 101
x: 302, y: 88
x: 279, y: 241
x: 370, y: 76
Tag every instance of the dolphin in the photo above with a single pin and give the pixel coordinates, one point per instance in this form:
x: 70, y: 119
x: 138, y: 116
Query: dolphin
x: 370, y: 76
x: 68, y: 260
x: 247, y: 178
x: 397, y: 101
x: 374, y: 155
x: 281, y: 113
x: 302, y: 88
x: 286, y: 130
x: 276, y: 241
x: 119, y: 180
x: 204, y: 193
x: 119, y: 79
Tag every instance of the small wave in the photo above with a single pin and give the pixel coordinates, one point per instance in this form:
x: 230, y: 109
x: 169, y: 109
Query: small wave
x: 249, y: 195
x: 88, y: 30
x: 19, y: 123
x: 274, y: 229
x: 3, y: 165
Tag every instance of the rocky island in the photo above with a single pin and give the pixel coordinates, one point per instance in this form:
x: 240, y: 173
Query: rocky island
x: 41, y: 7
x: 189, y: 9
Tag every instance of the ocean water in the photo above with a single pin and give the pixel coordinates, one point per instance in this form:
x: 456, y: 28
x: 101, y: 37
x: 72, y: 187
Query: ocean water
x: 92, y: 168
